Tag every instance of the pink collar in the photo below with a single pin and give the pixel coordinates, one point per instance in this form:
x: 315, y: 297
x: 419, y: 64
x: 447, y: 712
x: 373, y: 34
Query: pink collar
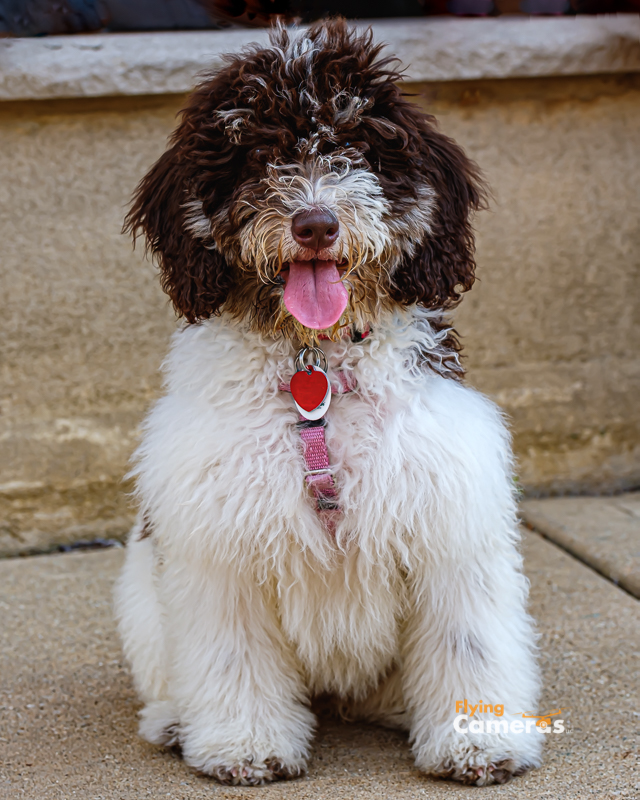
x: 349, y: 332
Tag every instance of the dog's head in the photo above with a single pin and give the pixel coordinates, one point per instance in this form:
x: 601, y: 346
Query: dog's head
x: 303, y: 192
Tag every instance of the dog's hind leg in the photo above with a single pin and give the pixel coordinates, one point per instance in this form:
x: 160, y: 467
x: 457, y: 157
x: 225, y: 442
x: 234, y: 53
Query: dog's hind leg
x: 140, y: 626
x: 244, y: 717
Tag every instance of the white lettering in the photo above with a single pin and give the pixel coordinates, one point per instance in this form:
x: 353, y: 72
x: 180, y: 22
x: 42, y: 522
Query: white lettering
x: 456, y: 723
x: 496, y: 726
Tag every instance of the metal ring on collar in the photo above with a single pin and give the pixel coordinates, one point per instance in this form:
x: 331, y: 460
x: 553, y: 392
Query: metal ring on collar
x: 319, y: 358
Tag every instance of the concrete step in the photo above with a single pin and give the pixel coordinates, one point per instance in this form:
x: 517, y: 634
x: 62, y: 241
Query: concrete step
x: 604, y: 532
x: 68, y: 710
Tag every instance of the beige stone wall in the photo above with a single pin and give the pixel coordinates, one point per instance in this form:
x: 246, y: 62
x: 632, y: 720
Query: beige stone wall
x: 551, y: 330
x: 84, y: 323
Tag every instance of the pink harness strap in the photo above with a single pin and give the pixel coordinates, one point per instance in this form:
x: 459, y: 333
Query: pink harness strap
x: 318, y: 474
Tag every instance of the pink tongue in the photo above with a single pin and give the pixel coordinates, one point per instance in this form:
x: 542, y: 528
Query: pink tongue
x: 314, y: 294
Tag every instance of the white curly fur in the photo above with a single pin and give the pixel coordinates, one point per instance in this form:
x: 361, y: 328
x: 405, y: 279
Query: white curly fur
x: 240, y: 606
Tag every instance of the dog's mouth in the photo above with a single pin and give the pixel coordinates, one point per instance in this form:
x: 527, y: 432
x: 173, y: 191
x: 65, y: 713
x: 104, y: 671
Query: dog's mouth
x: 314, y: 293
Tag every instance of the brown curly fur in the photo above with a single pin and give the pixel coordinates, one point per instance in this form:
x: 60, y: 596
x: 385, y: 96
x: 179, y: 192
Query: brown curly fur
x: 221, y: 159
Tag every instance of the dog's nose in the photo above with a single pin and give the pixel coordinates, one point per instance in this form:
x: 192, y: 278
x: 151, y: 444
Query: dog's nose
x: 315, y: 229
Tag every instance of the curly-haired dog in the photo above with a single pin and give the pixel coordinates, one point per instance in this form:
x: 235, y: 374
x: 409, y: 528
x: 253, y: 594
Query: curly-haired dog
x: 370, y: 554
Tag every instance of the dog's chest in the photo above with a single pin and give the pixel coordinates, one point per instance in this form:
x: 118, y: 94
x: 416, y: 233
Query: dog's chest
x: 343, y: 618
x: 235, y: 459
x: 256, y: 459
x: 343, y: 621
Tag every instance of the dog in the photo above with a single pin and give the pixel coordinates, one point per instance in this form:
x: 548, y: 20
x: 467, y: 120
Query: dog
x: 326, y: 509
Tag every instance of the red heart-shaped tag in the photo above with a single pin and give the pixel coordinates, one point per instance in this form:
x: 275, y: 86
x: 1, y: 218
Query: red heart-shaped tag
x: 309, y: 388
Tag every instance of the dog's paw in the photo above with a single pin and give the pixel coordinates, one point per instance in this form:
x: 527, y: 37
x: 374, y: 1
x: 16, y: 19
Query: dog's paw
x: 252, y: 773
x: 476, y: 773
x: 479, y: 760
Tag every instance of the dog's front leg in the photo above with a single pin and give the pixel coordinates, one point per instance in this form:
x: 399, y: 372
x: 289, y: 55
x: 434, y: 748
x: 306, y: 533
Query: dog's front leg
x: 235, y: 683
x: 469, y: 639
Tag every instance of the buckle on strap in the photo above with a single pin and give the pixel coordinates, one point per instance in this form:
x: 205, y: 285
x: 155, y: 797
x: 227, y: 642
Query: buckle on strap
x: 310, y: 472
x: 311, y: 423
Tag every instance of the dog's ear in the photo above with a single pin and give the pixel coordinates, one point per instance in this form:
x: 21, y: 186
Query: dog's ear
x: 444, y: 264
x: 196, y: 278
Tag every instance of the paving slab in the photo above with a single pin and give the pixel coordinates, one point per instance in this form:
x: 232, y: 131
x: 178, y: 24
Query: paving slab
x: 604, y: 532
x: 68, y: 710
